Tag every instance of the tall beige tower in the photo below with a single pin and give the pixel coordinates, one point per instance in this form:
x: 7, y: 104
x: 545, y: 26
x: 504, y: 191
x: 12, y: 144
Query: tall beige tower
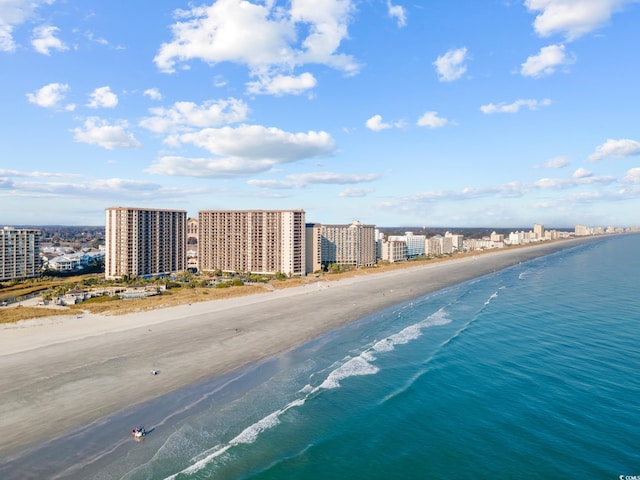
x: 538, y: 231
x: 256, y: 241
x: 142, y: 242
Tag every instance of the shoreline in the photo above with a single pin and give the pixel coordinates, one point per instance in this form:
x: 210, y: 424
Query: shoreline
x: 67, y: 372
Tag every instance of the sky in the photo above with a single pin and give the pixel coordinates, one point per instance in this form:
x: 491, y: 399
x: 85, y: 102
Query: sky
x: 467, y: 113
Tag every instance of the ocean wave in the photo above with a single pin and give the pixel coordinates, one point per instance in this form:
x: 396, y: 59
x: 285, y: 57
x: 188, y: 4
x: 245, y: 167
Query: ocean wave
x: 494, y: 295
x: 247, y: 436
x: 351, y: 367
x: 354, y: 367
x: 412, y: 332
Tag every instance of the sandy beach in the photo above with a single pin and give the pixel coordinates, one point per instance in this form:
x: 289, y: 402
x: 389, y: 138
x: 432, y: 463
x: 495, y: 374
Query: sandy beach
x: 65, y: 372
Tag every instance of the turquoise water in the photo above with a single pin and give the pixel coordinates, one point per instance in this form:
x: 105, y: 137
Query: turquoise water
x: 531, y: 372
x: 528, y: 373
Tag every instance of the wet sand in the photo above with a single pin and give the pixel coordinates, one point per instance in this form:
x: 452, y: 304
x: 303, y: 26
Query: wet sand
x: 66, y: 372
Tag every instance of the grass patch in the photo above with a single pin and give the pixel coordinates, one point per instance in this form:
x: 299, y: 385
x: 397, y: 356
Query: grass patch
x: 16, y: 314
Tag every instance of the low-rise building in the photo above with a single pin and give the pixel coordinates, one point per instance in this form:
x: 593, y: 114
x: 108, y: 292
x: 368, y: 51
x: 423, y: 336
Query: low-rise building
x: 393, y: 250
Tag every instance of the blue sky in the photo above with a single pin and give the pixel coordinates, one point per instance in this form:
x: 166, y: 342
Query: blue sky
x: 498, y: 113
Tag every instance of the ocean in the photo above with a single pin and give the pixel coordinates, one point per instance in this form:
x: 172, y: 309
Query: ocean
x: 531, y: 372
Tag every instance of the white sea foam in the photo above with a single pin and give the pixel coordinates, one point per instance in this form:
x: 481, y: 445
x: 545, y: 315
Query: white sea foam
x: 354, y: 367
x: 411, y: 332
x: 247, y: 436
x: 493, y: 295
x: 384, y: 345
x: 199, y: 465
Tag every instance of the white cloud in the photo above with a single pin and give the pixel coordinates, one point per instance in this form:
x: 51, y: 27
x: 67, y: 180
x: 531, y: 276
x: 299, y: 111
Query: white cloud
x: 242, y: 151
x: 615, y: 149
x: 91, y: 36
x: 49, y: 96
x: 572, y: 18
x: 580, y: 177
x: 582, y: 173
x: 301, y: 180
x: 355, y: 192
x: 219, y: 81
x: 14, y: 13
x: 515, y: 106
x: 273, y: 184
x: 153, y: 94
x: 228, y: 167
x: 398, y: 12
x: 184, y: 115
x: 36, y: 174
x: 556, y: 162
x: 376, y: 124
x: 450, y: 66
x: 632, y: 176
x: 6, y: 38
x: 99, y: 132
x: 432, y: 120
x: 332, y: 178
x: 545, y: 62
x: 114, y: 189
x: 258, y: 142
x: 44, y: 40
x: 283, y: 84
x: 103, y: 97
x: 261, y: 36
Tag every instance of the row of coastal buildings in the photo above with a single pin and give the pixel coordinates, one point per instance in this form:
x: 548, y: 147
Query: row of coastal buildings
x: 143, y: 242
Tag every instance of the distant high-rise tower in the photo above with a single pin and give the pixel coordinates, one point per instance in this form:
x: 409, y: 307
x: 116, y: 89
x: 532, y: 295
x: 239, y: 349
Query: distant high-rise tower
x: 353, y: 244
x: 582, y: 230
x: 19, y: 253
x: 256, y: 241
x: 538, y: 231
x: 142, y: 242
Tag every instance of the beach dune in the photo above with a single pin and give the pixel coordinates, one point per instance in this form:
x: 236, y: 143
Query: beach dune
x: 63, y: 373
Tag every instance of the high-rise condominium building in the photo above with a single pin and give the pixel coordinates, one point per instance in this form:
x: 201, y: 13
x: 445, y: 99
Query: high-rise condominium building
x: 256, y: 241
x: 582, y: 230
x: 538, y: 231
x: 353, y: 244
x: 19, y: 253
x: 141, y: 242
x: 313, y: 244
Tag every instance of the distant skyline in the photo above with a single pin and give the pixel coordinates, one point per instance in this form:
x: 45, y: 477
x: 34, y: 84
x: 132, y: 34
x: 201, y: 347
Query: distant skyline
x: 500, y: 113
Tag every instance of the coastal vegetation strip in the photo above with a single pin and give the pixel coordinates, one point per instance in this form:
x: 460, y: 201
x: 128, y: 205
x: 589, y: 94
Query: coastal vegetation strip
x: 179, y: 294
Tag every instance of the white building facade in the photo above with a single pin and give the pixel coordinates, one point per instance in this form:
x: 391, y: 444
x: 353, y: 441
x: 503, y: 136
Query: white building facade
x: 353, y: 244
x: 416, y: 244
x: 19, y: 253
x: 393, y: 250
